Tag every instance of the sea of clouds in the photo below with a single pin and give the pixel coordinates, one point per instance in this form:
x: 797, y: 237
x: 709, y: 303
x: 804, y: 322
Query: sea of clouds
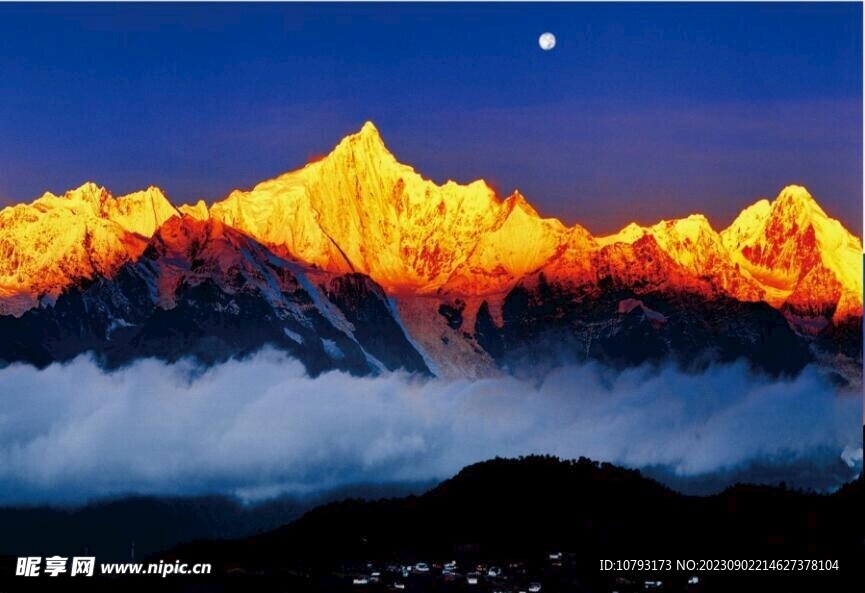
x: 262, y: 426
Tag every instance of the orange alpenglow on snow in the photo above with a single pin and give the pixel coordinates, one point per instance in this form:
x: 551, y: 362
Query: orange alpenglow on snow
x: 47, y: 245
x: 359, y: 209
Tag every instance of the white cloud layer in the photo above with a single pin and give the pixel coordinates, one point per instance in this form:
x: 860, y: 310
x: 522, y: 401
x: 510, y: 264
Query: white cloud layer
x: 72, y: 432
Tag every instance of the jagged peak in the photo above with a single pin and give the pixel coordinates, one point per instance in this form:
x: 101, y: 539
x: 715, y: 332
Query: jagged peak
x: 578, y: 234
x: 517, y: 197
x: 150, y: 191
x: 368, y: 129
x: 748, y: 222
x: 797, y: 199
x: 699, y: 218
x: 781, y: 242
x: 198, y: 210
x: 87, y: 187
x: 518, y: 200
x: 628, y: 234
x: 140, y: 212
x: 359, y: 199
x: 151, y: 196
x: 367, y: 139
x: 88, y: 195
x: 692, y: 226
x: 92, y: 192
x: 88, y: 191
x: 797, y: 193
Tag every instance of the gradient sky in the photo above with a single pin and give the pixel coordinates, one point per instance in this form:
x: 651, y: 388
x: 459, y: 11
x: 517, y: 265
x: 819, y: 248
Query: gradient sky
x: 642, y: 112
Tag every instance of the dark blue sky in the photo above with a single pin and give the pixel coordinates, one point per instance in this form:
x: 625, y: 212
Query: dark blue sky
x: 642, y: 111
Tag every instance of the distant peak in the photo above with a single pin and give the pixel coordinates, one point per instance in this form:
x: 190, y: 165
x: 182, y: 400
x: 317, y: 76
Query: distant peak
x: 693, y: 223
x: 796, y: 194
x: 368, y: 129
x: 88, y: 192
x: 629, y: 234
x: 88, y: 187
x: 633, y: 229
x: 518, y: 200
x: 366, y: 140
x: 795, y: 191
x: 795, y: 199
x: 198, y: 210
x: 368, y: 134
x: 151, y: 193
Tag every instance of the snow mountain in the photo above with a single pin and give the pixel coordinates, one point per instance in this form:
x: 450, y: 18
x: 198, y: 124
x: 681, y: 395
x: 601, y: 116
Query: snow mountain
x: 357, y: 262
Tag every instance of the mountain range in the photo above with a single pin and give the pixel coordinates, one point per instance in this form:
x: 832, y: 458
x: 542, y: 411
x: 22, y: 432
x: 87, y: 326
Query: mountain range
x: 357, y: 262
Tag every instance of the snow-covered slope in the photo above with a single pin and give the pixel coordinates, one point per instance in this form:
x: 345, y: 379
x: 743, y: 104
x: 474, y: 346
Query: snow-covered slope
x: 359, y: 210
x: 798, y: 254
x: 696, y: 250
x: 56, y: 241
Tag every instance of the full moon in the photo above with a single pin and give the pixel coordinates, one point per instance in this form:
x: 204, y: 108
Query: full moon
x: 547, y: 41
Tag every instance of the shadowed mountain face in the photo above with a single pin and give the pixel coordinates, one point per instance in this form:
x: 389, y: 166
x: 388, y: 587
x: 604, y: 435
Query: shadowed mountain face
x: 357, y: 263
x: 549, y: 324
x: 204, y: 290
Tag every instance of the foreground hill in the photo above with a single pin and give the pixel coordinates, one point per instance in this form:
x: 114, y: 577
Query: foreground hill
x: 113, y: 528
x: 522, y: 510
x: 534, y: 520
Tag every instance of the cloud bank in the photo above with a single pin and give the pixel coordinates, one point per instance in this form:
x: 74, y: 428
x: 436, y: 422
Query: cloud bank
x: 262, y: 426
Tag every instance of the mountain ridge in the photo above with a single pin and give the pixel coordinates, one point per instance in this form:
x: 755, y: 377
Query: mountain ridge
x: 572, y: 514
x: 356, y: 244
x: 359, y: 210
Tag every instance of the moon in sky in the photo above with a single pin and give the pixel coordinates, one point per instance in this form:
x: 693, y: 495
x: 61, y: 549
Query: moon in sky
x: 547, y: 41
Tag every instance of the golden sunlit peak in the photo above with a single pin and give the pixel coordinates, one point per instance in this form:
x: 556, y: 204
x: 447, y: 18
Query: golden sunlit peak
x: 359, y: 209
x: 88, y: 186
x: 154, y: 189
x: 88, y: 189
x: 367, y: 133
x: 518, y: 200
x: 632, y: 232
x: 367, y: 140
x: 369, y: 128
x: 795, y: 201
x: 795, y: 191
x: 798, y: 195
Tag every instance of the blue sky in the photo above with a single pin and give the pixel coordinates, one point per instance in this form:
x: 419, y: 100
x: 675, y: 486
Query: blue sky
x: 641, y: 112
